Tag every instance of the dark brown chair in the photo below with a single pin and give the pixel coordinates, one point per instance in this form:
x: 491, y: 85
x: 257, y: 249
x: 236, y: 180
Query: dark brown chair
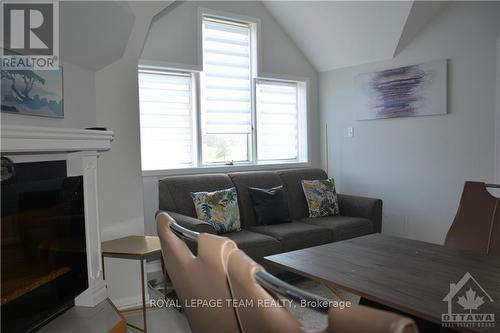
x: 476, y: 226
x: 199, y: 278
x: 244, y: 275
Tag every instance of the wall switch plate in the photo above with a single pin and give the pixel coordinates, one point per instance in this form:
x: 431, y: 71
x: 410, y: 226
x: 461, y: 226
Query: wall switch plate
x: 350, y: 132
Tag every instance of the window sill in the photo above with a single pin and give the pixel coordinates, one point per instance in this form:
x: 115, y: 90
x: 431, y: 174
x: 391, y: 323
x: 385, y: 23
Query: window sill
x: 224, y: 169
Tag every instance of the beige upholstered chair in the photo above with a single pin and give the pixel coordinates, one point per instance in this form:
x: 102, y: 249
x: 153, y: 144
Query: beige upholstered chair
x: 362, y: 319
x: 201, y: 277
x: 476, y: 226
x: 242, y: 272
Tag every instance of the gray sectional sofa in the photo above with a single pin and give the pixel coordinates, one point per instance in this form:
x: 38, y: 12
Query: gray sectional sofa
x: 358, y: 215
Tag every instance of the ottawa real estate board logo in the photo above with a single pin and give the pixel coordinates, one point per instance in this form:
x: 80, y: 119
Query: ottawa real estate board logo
x: 466, y: 303
x: 30, y: 35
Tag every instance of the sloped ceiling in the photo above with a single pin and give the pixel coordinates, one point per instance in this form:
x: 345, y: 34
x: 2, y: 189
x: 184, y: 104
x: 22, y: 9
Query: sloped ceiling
x: 341, y: 34
x: 94, y: 34
x: 422, y: 12
x: 332, y: 34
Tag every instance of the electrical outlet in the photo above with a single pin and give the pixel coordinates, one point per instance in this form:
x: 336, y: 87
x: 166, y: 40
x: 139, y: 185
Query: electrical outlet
x: 350, y: 132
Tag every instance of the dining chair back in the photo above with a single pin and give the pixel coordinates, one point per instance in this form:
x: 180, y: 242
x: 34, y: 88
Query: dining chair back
x: 476, y: 226
x: 200, y: 281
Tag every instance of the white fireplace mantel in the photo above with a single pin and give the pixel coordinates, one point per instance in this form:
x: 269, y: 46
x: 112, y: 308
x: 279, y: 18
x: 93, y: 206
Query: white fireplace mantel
x: 28, y: 139
x: 80, y: 149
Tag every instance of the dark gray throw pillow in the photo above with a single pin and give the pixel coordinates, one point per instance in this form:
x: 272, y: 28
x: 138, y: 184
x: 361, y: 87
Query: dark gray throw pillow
x: 270, y: 205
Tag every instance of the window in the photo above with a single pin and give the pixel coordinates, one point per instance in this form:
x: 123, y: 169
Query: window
x: 226, y: 92
x: 277, y: 120
x: 166, y: 117
x: 225, y: 114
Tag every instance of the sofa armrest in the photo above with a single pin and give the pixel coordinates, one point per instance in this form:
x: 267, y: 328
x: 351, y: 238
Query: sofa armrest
x: 355, y: 206
x: 192, y: 223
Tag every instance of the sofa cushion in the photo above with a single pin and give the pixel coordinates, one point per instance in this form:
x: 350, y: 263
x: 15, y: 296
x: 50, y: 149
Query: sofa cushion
x: 255, y: 245
x: 242, y: 181
x: 296, y: 235
x: 175, y: 191
x: 321, y: 197
x: 292, y: 179
x: 269, y: 205
x: 343, y: 227
x: 219, y: 208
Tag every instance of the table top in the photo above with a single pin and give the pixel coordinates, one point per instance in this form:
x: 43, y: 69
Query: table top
x: 138, y: 246
x: 411, y: 276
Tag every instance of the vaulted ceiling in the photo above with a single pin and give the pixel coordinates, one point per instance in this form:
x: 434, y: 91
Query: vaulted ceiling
x: 331, y: 34
x: 94, y: 34
x: 335, y: 34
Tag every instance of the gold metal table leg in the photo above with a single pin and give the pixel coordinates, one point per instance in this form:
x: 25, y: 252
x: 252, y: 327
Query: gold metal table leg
x: 143, y: 297
x: 143, y: 289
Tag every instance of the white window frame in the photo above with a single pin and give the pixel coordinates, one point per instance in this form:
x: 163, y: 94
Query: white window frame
x: 255, y: 31
x: 254, y: 25
x: 304, y: 154
x: 194, y: 108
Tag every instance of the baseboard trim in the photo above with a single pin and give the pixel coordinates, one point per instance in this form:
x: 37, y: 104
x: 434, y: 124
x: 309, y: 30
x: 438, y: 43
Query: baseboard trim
x: 93, y: 295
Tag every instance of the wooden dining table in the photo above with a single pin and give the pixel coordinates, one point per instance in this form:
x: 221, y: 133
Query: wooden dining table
x: 436, y: 285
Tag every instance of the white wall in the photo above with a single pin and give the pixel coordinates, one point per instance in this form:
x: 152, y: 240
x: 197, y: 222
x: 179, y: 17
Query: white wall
x: 418, y: 165
x: 79, y: 102
x: 119, y: 174
x: 120, y: 177
x: 120, y: 181
x: 173, y: 39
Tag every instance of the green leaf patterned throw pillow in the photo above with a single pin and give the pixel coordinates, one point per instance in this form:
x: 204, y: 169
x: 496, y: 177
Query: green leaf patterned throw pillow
x: 321, y: 197
x: 219, y: 208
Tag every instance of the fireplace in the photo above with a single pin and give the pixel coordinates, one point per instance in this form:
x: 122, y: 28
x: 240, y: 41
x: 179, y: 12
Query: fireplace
x: 43, y: 244
x: 63, y: 163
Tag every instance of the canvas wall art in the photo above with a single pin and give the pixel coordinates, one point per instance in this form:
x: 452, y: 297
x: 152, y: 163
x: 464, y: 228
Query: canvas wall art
x: 32, y: 92
x: 417, y: 90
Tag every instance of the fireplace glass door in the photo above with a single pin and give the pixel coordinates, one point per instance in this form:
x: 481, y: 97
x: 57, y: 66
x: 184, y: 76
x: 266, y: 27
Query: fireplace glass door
x: 43, y: 249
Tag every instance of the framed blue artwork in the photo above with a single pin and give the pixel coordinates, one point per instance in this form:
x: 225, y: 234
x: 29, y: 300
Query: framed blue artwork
x: 33, y: 92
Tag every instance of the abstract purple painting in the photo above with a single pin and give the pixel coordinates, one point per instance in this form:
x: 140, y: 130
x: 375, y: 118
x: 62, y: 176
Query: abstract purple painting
x: 417, y: 90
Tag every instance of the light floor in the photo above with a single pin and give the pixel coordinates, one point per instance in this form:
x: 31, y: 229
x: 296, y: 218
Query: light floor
x: 160, y: 320
x: 164, y: 320
x: 169, y: 320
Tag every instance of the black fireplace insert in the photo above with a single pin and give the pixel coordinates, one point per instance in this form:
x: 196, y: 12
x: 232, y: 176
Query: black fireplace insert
x: 43, y: 251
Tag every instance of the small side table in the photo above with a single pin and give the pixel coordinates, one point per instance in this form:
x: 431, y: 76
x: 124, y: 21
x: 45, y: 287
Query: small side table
x: 135, y: 248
